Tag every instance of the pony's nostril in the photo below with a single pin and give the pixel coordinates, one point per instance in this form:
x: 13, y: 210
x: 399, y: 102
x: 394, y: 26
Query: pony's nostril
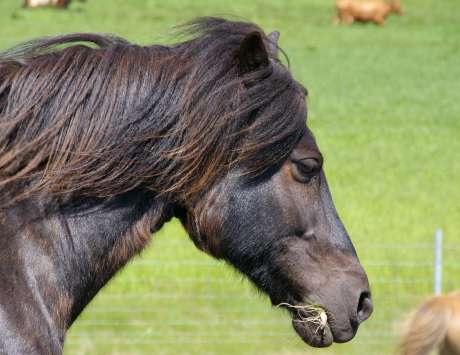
x: 364, y: 306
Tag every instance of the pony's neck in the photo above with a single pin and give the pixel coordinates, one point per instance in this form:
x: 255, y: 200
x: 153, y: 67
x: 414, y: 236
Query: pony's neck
x: 71, y: 254
x: 105, y: 236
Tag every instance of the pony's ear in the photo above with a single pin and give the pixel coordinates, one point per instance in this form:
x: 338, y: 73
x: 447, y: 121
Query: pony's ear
x: 273, y: 38
x: 252, y: 54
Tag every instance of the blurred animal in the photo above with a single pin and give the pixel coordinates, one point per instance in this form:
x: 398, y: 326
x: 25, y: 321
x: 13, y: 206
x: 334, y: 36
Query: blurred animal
x: 376, y: 11
x: 42, y: 3
x: 435, y: 322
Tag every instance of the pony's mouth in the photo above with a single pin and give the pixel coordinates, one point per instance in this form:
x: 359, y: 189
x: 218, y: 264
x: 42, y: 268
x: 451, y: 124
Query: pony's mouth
x: 316, y: 326
x: 314, y: 334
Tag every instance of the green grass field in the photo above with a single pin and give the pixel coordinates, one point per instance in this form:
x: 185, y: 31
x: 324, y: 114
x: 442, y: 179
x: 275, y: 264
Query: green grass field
x: 385, y: 107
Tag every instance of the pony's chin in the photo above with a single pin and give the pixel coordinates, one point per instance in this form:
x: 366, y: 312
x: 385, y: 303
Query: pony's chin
x: 318, y: 337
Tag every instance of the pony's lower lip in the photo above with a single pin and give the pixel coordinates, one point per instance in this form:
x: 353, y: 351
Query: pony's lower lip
x: 313, y: 335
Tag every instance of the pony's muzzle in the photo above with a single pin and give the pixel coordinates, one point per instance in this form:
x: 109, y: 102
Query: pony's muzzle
x: 355, y: 308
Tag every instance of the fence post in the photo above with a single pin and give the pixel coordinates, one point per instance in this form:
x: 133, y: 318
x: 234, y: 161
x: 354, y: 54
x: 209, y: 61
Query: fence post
x: 438, y: 262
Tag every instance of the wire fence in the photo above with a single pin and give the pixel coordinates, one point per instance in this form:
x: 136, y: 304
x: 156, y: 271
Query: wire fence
x: 199, y: 303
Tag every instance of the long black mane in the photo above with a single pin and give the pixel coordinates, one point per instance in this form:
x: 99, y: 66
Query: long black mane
x: 106, y: 117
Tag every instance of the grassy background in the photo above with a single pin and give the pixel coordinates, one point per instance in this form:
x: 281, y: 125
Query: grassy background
x: 385, y: 107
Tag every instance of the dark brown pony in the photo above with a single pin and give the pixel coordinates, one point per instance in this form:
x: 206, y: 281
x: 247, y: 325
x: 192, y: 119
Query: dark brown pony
x: 102, y: 143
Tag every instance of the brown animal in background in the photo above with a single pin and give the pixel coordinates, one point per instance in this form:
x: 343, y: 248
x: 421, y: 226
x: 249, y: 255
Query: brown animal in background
x: 349, y: 11
x: 436, y: 321
x: 41, y: 3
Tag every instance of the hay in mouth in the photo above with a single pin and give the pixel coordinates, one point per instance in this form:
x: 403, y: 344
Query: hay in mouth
x: 311, y: 314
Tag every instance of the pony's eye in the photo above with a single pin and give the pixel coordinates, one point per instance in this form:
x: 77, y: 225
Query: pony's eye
x: 304, y: 170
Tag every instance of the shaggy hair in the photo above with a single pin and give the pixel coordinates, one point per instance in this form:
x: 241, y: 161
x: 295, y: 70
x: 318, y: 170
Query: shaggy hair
x: 106, y: 117
x: 430, y: 324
